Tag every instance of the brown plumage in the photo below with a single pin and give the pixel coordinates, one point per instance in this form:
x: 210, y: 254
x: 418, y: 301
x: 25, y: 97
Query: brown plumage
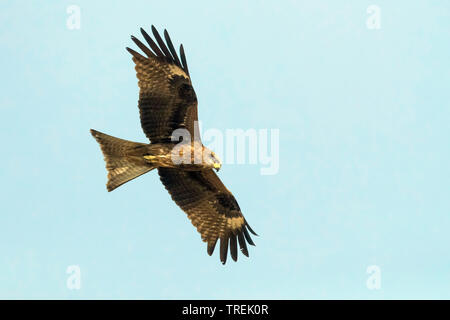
x: 167, y: 102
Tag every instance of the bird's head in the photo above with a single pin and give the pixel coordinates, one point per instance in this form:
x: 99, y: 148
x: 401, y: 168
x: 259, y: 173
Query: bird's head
x: 213, y: 161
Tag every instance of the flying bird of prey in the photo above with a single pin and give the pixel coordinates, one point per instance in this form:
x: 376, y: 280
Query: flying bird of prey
x: 167, y: 102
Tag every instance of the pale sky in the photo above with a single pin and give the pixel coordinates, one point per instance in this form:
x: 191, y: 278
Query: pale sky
x: 362, y: 110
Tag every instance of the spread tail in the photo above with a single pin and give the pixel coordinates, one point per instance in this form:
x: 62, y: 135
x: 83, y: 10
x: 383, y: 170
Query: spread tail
x: 121, y: 166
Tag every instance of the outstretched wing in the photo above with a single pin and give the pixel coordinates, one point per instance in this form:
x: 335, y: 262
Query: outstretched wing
x: 211, y: 207
x: 167, y: 100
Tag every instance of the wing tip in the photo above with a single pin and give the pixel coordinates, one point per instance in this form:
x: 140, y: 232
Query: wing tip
x: 233, y: 247
x: 131, y: 51
x: 211, y: 246
x: 247, y: 236
x: 229, y: 244
x: 223, y: 249
x: 250, y: 229
x: 242, y: 244
x: 160, y: 49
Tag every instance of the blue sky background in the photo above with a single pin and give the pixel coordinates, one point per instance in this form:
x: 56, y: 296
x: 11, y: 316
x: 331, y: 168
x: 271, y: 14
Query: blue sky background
x: 364, y: 150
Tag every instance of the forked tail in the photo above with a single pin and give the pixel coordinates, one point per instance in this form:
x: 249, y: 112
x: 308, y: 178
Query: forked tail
x: 120, y: 165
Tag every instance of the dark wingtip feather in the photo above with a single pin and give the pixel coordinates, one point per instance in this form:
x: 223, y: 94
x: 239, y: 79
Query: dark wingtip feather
x: 160, y: 49
x: 211, y: 247
x: 223, y: 249
x: 233, y: 247
x: 161, y: 43
x: 151, y: 43
x: 135, y: 54
x: 247, y: 236
x: 171, y: 48
x: 242, y: 244
x: 251, y: 230
x: 142, y: 46
x: 183, y: 59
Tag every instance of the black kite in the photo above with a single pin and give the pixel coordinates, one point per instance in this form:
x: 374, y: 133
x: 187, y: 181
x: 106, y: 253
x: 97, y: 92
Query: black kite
x: 167, y: 102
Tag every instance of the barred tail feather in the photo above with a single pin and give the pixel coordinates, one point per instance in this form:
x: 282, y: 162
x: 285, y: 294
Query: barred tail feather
x: 121, y: 167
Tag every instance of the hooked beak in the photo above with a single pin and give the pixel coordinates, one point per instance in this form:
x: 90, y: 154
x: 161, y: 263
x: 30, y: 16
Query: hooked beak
x: 217, y: 166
